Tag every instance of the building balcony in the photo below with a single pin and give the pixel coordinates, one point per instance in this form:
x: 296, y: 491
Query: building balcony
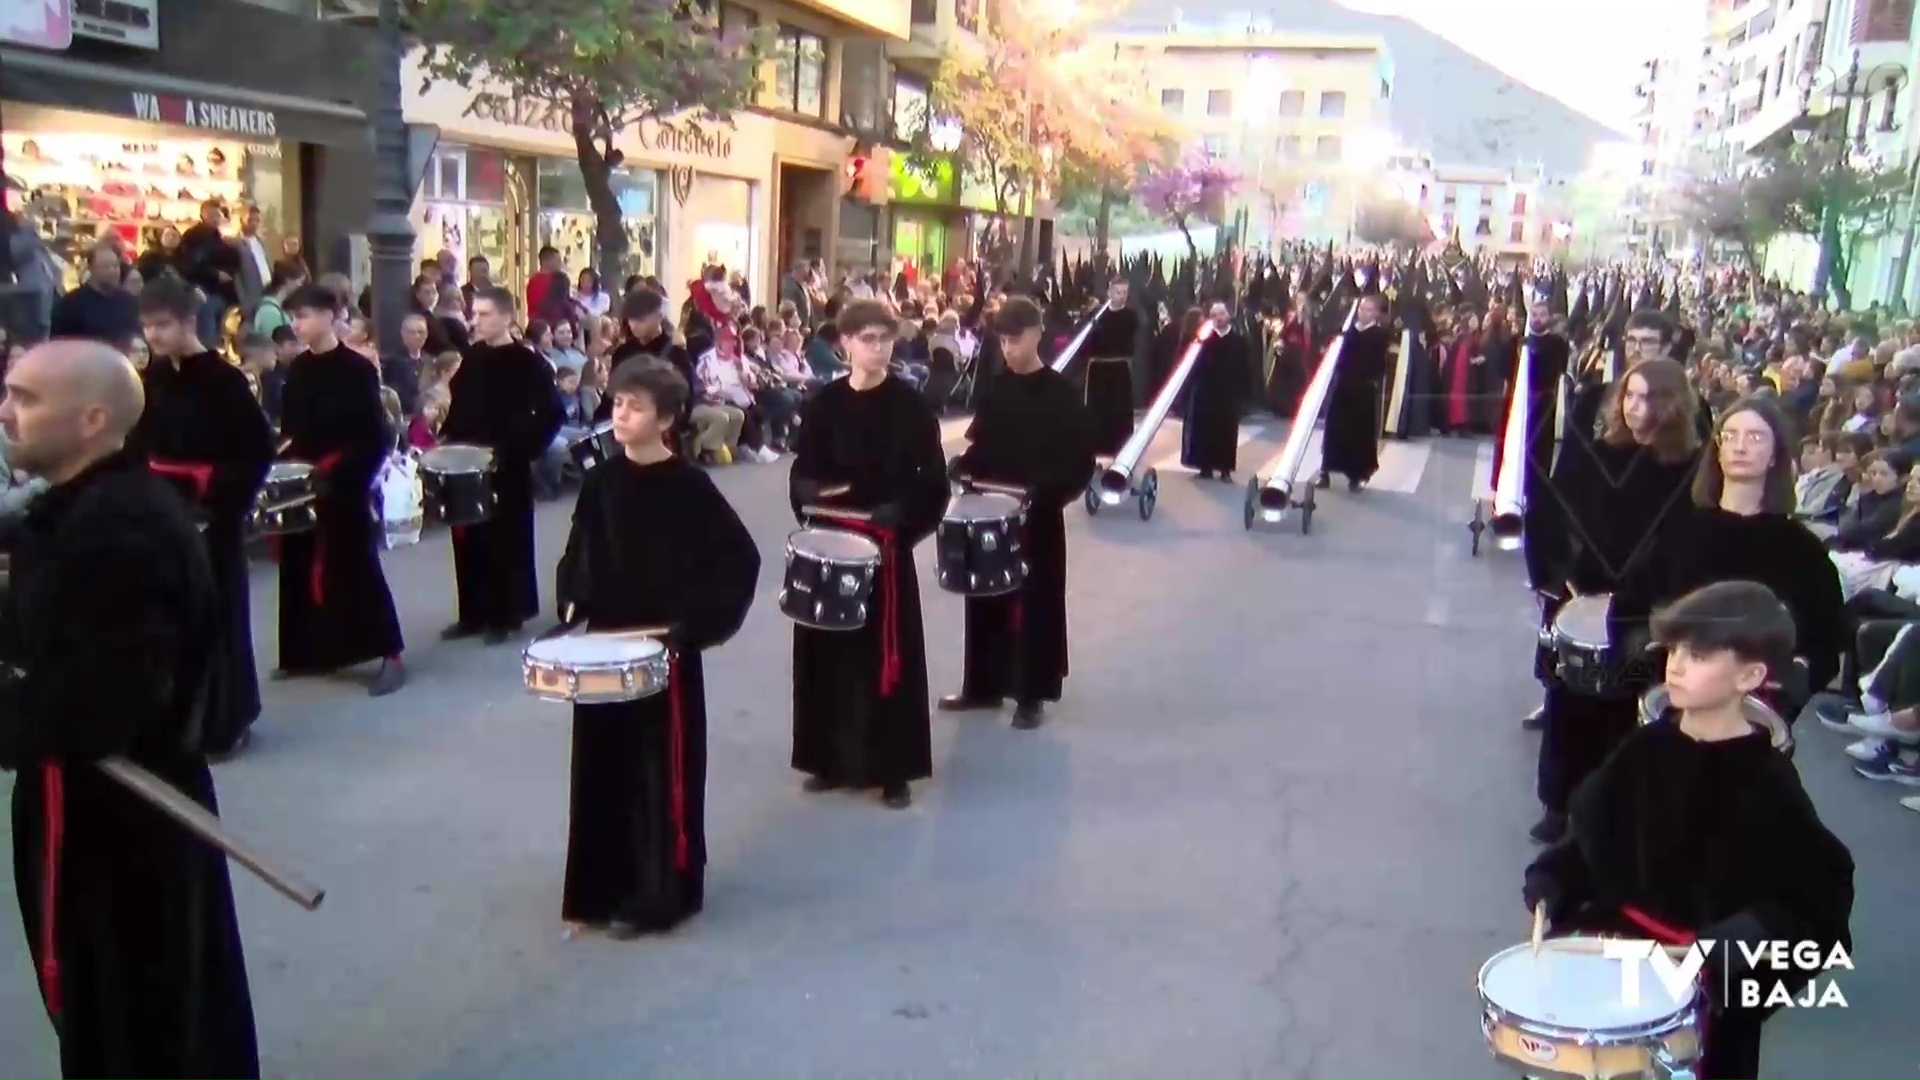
x: 890, y: 19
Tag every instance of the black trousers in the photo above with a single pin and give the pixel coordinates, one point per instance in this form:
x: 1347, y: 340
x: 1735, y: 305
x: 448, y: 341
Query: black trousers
x: 1577, y: 734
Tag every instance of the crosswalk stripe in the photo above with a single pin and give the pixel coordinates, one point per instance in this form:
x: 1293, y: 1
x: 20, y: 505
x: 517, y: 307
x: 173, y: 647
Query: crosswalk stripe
x: 1483, y: 471
x: 1171, y: 462
x: 955, y: 428
x: 1401, y: 466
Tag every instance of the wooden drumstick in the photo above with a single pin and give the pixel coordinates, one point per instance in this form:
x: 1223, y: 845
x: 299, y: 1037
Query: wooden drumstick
x: 1005, y: 489
x: 636, y: 632
x: 836, y: 491
x: 1539, y: 926
x: 834, y: 511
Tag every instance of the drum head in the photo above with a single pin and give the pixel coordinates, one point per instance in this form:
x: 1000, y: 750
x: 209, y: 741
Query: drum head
x: 983, y: 506
x: 834, y: 545
x: 1571, y: 986
x: 1584, y: 619
x: 594, y: 650
x: 457, y: 458
x: 289, y: 470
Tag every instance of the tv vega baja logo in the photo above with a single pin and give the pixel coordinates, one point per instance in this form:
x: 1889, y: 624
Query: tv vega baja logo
x: 1764, y: 965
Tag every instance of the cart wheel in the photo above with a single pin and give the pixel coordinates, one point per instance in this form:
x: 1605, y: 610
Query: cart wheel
x: 1149, y: 494
x: 1091, y: 498
x: 1253, y: 499
x: 1306, y: 513
x: 1474, y: 527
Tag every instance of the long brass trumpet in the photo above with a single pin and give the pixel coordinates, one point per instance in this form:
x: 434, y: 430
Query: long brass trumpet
x: 1509, y: 499
x: 1073, y: 347
x: 1117, y: 480
x: 1270, y: 502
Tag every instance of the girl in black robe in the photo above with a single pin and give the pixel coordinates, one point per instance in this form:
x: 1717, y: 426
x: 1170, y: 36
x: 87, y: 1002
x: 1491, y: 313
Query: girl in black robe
x: 654, y: 544
x: 1350, y: 444
x: 1696, y: 828
x: 335, y: 607
x: 860, y: 710
x: 1604, y: 526
x: 503, y: 398
x: 203, y: 428
x: 1029, y: 432
x: 1215, y: 390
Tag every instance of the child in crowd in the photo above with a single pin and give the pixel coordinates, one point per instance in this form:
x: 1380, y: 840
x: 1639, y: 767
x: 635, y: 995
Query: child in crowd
x: 1697, y: 828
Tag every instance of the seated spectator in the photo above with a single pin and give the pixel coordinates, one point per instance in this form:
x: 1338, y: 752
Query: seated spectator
x: 1821, y: 490
x: 778, y: 402
x: 1877, y: 509
x: 823, y: 353
x: 720, y: 402
x: 575, y: 424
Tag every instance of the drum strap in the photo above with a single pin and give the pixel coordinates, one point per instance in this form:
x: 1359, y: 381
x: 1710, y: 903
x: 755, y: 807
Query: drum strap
x: 317, y: 574
x: 201, y: 475
x: 53, y: 790
x: 889, y: 597
x: 677, y: 766
x: 1664, y: 933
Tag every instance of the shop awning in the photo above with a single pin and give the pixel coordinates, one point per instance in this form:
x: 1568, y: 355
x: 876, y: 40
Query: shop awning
x: 131, y: 93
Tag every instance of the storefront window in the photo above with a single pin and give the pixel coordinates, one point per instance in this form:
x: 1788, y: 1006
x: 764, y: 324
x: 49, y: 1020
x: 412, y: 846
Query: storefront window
x: 858, y: 245
x: 919, y: 245
x: 567, y: 221
x: 473, y: 199
x: 720, y: 212
x: 909, y: 108
x: 78, y: 188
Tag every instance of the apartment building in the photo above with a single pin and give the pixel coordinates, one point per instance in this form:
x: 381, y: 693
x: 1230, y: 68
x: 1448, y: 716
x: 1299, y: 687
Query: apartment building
x: 1515, y: 213
x: 1301, y: 116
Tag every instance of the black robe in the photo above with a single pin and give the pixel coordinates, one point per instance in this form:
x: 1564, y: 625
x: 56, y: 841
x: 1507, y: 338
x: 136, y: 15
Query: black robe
x: 1109, y: 353
x: 1292, y: 367
x: 1351, y: 442
x: 1029, y: 432
x: 129, y: 918
x: 335, y: 607
x: 860, y: 710
x: 1215, y: 390
x: 1604, y: 524
x: 1548, y: 356
x: 1710, y: 545
x: 502, y: 398
x: 652, y: 545
x: 203, y: 428
x: 1417, y: 400
x: 1713, y: 839
x: 1467, y: 399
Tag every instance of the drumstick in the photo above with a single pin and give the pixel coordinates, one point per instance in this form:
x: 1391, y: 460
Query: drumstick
x: 637, y: 632
x: 835, y: 491
x: 1539, y: 926
x: 1005, y: 489
x: 834, y: 511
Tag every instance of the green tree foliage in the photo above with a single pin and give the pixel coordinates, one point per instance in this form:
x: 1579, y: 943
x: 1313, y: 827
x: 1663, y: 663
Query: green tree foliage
x: 602, y: 66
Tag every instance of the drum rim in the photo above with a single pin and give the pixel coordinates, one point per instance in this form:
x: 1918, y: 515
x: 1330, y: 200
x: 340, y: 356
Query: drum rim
x: 832, y: 560
x: 657, y: 654
x: 289, y: 470
x: 1016, y: 509
x: 1579, y: 606
x: 1687, y: 1015
x: 483, y: 465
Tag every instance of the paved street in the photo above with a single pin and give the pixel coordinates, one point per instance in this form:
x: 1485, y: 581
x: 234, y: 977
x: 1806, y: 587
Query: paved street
x: 1274, y: 830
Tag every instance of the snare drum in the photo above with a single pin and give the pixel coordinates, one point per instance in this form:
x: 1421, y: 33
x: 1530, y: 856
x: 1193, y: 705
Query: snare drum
x: 1761, y: 714
x: 1561, y: 1014
x: 830, y: 576
x: 597, y: 447
x: 458, y: 483
x: 977, y: 545
x: 285, y: 505
x: 595, y: 669
x: 1582, y: 646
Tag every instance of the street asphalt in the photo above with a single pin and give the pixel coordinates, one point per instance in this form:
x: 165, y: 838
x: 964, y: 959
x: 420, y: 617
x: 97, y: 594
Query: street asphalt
x: 1273, y: 831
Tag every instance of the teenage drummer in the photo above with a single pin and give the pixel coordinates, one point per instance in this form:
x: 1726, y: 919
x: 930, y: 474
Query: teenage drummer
x: 1697, y: 828
x: 868, y: 443
x: 1030, y: 432
x: 654, y: 546
x: 203, y: 428
x: 502, y: 398
x: 1622, y: 478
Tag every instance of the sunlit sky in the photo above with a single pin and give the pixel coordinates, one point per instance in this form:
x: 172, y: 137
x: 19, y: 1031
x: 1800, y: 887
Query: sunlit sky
x: 1584, y: 52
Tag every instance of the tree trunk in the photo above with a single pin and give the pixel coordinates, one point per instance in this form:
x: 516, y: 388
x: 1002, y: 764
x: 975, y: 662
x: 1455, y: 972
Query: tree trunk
x: 1193, y: 249
x: 596, y: 174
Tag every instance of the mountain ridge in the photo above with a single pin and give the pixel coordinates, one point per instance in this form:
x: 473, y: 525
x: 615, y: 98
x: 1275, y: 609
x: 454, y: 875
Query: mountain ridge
x: 1446, y: 100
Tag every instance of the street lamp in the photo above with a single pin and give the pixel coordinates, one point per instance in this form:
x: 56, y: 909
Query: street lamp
x: 389, y: 232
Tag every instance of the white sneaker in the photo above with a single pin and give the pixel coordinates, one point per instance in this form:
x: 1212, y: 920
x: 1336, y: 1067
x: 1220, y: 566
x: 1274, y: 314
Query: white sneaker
x: 765, y: 455
x: 1866, y: 749
x: 1881, y: 726
x: 1911, y: 802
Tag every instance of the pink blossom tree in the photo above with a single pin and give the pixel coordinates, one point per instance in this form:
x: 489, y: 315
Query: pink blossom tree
x: 1194, y: 187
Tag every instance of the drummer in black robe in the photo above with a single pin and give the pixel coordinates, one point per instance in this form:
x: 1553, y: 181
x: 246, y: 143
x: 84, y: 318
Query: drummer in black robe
x: 654, y: 545
x: 1215, y: 392
x: 1110, y: 348
x: 1028, y: 432
x: 203, y: 429
x: 1350, y: 443
x: 1697, y: 829
x: 128, y: 917
x: 335, y: 608
x: 871, y: 444
x: 502, y: 398
x: 1605, y: 527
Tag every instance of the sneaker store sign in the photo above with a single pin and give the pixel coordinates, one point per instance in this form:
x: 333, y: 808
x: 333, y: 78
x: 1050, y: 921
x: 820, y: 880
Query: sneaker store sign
x: 208, y: 115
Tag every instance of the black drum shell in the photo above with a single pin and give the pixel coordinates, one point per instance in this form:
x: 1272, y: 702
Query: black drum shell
x: 812, y: 594
x: 464, y: 498
x: 980, y: 557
